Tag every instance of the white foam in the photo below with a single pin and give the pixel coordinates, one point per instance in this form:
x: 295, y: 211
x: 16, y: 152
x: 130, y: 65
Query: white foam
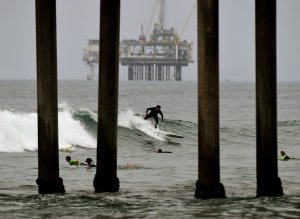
x: 72, y: 132
x: 127, y: 119
x: 18, y: 132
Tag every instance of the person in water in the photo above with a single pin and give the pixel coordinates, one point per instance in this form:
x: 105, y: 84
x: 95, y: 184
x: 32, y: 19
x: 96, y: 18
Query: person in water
x: 161, y: 151
x: 89, y: 162
x: 153, y: 113
x: 72, y: 162
x: 284, y: 156
x: 130, y: 166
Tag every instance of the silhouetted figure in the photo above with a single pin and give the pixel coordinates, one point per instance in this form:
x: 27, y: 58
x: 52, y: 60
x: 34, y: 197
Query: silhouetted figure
x: 89, y: 162
x: 161, y: 151
x: 153, y: 113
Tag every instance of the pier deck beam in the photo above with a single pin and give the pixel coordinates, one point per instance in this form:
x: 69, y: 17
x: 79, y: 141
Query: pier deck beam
x: 268, y: 182
x: 208, y: 184
x: 48, y: 162
x: 106, y: 173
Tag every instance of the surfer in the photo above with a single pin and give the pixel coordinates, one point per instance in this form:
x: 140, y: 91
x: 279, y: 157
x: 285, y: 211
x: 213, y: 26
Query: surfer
x: 72, y: 162
x: 153, y: 113
x: 284, y: 156
x: 130, y: 166
x: 89, y: 162
x: 161, y: 151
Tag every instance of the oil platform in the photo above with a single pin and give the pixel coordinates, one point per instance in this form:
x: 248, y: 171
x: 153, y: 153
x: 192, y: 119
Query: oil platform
x: 159, y: 58
x: 91, y: 58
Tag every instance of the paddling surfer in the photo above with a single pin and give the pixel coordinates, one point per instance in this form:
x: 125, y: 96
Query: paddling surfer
x: 284, y: 156
x: 89, y: 162
x: 72, y: 162
x: 161, y: 151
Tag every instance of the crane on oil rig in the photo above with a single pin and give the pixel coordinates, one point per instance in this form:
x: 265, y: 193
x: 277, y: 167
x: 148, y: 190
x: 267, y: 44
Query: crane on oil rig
x: 187, y: 20
x: 162, y: 18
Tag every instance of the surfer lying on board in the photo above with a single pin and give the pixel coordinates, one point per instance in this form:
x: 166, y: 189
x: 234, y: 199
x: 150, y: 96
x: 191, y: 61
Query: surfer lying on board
x: 284, y: 156
x: 161, y: 151
x: 76, y: 162
x: 88, y: 162
x: 153, y: 113
x: 72, y: 162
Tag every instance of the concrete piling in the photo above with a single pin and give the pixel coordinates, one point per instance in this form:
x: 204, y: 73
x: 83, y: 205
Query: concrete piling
x: 208, y: 184
x: 48, y: 164
x: 268, y: 182
x: 106, y: 173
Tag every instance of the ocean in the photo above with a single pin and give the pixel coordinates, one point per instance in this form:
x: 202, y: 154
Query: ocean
x: 152, y: 185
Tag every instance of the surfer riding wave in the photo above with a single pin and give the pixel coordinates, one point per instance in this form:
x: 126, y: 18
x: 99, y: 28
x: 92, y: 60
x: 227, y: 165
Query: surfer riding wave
x: 153, y: 113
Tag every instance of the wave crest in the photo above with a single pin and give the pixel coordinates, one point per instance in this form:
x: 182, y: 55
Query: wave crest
x: 18, y: 131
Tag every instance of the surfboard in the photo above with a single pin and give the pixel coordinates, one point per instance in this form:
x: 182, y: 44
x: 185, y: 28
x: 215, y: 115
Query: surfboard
x: 174, y: 135
x: 73, y: 166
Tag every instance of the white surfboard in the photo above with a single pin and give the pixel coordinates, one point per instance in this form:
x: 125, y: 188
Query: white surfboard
x: 174, y: 135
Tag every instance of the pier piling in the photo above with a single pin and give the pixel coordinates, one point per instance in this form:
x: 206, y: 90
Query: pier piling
x: 48, y: 162
x: 268, y: 182
x: 208, y: 184
x: 106, y: 173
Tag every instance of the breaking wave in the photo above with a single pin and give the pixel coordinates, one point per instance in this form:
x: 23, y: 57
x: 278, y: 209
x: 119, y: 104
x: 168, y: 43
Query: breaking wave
x: 18, y: 131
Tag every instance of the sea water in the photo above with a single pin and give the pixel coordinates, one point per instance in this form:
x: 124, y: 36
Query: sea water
x: 154, y: 185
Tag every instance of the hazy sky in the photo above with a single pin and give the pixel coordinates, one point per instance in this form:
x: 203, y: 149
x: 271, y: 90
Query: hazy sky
x: 78, y: 20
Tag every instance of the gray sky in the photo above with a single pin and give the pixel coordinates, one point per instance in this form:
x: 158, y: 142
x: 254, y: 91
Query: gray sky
x: 78, y: 20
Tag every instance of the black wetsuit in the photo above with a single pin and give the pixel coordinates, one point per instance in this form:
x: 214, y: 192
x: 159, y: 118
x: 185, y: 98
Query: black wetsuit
x: 153, y: 114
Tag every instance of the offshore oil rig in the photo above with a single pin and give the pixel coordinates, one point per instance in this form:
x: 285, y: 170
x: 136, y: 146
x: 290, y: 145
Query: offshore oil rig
x: 159, y: 57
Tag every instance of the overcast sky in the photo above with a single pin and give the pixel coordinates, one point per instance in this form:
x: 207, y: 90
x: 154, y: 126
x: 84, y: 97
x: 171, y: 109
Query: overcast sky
x: 78, y: 20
